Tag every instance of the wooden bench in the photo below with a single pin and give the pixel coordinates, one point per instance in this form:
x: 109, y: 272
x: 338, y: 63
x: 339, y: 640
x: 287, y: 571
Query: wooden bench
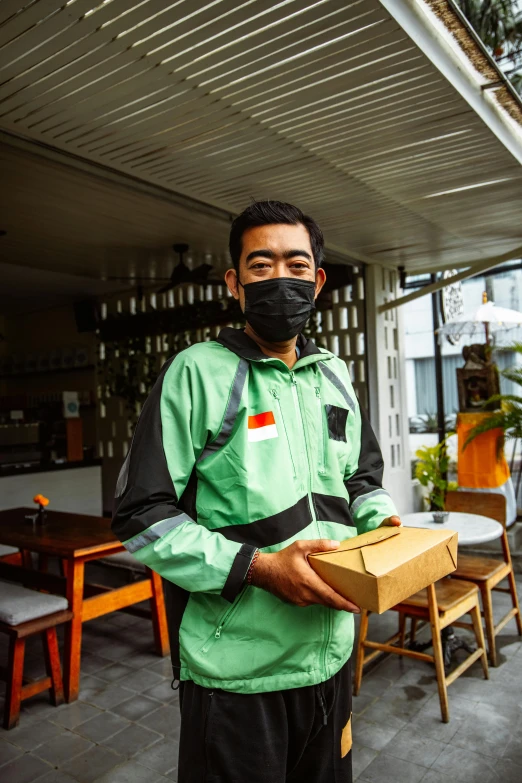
x: 10, y: 554
x: 24, y: 613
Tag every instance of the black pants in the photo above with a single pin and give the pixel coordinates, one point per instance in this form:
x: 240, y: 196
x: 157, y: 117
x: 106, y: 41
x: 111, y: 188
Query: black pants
x: 302, y: 735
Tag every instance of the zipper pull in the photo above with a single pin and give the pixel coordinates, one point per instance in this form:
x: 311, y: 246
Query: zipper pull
x: 318, y: 392
x: 218, y: 632
x: 274, y: 394
x: 292, y: 376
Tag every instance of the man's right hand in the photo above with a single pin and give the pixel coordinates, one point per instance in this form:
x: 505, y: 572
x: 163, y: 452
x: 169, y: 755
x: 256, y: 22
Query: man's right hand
x: 288, y: 575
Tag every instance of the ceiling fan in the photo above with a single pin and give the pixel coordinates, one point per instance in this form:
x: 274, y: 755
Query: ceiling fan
x: 180, y: 274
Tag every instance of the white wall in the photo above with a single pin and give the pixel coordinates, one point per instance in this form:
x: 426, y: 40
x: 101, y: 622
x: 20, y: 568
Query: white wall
x: 77, y: 490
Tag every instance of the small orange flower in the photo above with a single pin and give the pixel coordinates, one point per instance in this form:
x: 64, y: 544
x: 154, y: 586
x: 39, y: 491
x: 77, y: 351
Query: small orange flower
x: 41, y: 500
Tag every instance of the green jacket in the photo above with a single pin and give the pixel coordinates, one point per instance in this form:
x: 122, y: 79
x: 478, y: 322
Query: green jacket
x: 234, y: 451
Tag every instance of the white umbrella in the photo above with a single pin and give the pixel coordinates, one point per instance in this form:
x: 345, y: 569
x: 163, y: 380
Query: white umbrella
x: 487, y: 317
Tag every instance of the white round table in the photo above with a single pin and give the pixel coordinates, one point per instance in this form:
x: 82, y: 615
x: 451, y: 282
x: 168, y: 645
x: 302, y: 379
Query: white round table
x: 472, y: 528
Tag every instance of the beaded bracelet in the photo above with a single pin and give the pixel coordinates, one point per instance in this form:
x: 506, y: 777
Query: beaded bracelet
x: 251, y: 567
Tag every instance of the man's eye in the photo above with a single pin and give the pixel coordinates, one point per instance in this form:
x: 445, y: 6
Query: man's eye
x: 259, y: 265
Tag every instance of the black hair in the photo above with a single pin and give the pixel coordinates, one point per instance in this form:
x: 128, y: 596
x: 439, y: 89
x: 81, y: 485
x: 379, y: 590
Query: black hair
x: 265, y: 213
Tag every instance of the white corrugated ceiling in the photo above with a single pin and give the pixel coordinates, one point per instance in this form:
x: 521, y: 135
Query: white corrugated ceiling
x: 328, y: 104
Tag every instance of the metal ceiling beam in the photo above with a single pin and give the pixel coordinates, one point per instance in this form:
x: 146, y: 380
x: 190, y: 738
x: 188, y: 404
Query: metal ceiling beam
x: 472, y: 271
x: 437, y: 43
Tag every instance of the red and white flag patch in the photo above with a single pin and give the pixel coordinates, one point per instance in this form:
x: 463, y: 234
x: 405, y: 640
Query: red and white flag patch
x: 262, y: 427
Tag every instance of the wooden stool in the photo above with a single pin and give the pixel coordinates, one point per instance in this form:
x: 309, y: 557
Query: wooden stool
x: 488, y: 572
x: 441, y: 607
x: 24, y: 613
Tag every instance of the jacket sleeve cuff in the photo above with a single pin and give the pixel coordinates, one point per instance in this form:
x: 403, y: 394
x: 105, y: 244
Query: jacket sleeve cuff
x: 238, y: 572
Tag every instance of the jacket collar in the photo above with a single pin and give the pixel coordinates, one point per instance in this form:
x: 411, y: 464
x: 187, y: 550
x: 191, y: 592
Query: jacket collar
x: 241, y: 344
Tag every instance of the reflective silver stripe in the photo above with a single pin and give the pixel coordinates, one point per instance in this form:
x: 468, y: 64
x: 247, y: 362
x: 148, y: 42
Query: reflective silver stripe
x: 156, y: 531
x: 339, y: 385
x: 362, y: 498
x: 231, y: 411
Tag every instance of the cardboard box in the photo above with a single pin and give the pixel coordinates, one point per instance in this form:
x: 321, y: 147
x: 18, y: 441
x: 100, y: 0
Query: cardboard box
x: 379, y: 569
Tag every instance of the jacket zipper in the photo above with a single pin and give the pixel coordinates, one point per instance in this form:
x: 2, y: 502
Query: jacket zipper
x: 322, y: 451
x: 297, y: 405
x: 312, y: 509
x: 275, y: 395
x: 223, y: 621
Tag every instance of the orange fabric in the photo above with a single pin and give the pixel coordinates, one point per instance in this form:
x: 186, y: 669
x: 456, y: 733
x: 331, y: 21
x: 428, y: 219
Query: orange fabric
x: 261, y: 420
x: 478, y: 466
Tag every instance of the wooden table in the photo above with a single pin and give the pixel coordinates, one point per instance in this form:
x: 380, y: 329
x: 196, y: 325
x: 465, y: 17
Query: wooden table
x: 472, y: 528
x: 77, y: 539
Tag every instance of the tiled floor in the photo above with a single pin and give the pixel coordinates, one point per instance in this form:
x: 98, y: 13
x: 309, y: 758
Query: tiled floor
x: 125, y: 726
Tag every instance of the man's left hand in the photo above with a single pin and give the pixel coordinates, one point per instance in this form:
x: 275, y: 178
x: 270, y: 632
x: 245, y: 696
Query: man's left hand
x: 394, y: 521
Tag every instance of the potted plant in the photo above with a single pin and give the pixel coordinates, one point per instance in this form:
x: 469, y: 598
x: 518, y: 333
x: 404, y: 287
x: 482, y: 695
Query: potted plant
x: 431, y: 471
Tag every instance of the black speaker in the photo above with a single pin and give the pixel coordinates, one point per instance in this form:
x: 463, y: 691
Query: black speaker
x: 87, y: 315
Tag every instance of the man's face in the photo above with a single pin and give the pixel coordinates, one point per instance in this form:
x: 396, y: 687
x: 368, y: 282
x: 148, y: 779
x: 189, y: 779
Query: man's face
x: 278, y: 250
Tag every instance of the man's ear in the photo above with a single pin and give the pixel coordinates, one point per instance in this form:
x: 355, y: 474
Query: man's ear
x: 320, y: 280
x: 231, y: 281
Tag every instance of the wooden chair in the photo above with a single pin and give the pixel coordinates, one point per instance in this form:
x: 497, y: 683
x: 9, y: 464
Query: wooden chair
x: 488, y: 572
x: 24, y: 613
x: 9, y: 554
x: 440, y: 605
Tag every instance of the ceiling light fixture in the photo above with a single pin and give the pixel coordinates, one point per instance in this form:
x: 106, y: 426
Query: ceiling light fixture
x: 468, y: 187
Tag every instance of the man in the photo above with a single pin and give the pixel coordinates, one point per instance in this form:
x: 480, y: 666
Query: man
x: 250, y: 453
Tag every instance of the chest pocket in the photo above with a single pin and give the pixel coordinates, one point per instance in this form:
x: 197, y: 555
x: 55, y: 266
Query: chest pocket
x: 336, y: 421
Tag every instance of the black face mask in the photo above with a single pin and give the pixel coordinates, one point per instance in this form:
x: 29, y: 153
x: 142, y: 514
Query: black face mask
x: 277, y: 309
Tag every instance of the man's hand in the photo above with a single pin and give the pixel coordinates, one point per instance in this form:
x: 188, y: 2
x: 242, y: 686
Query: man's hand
x: 288, y: 575
x: 391, y: 522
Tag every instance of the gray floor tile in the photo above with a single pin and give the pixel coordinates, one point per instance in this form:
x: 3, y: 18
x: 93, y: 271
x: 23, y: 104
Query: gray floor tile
x: 31, y: 733
x: 130, y: 772
x: 161, y: 757
x: 142, y: 659
x: 55, y: 776
x: 361, y: 758
x: 488, y: 733
x: 101, y: 727
x: 506, y: 771
x: 92, y: 663
x: 374, y: 735
x: 163, y: 666
x: 431, y: 726
x: 108, y: 697
x: 24, y: 769
x: 513, y: 751
x: 115, y: 672
x: 132, y: 740
x: 141, y: 680
x: 464, y: 766
x: 62, y: 748
x: 163, y: 692
x: 71, y: 715
x: 410, y: 744
x: 8, y: 752
x: 385, y: 714
x: 92, y: 764
x: 165, y: 720
x: 385, y: 769
x: 136, y: 707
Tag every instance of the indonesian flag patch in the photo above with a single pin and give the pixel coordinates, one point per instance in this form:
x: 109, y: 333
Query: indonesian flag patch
x: 261, y: 427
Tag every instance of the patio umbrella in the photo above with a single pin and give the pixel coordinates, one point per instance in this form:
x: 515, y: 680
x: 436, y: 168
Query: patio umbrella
x: 487, y: 317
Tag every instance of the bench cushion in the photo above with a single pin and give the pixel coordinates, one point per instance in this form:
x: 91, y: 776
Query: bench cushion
x: 19, y: 604
x: 7, y: 550
x: 125, y: 560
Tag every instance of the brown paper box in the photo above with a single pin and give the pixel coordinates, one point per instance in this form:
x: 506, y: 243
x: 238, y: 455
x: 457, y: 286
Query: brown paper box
x: 379, y: 569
